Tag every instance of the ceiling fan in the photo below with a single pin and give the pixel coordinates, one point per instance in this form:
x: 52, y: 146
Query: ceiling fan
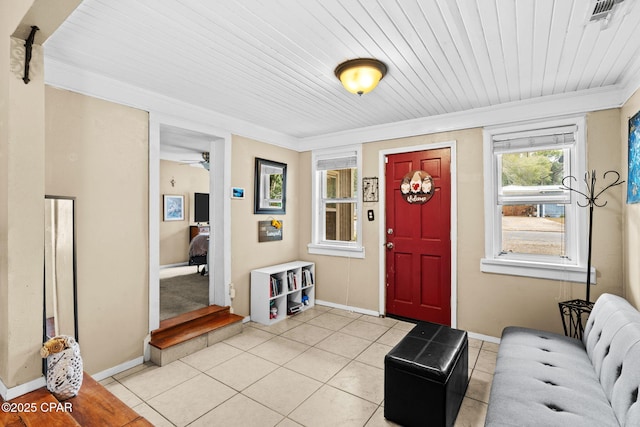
x: 204, y: 162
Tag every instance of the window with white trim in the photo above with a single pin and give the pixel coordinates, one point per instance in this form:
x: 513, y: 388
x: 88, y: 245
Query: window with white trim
x: 533, y: 226
x: 336, y: 206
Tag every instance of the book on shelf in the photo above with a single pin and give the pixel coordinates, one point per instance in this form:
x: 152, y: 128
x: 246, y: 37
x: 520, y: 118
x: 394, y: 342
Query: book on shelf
x: 276, y: 286
x: 307, y: 278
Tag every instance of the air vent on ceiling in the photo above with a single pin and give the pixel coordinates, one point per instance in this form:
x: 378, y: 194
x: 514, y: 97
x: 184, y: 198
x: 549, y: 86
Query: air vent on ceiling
x: 602, y: 9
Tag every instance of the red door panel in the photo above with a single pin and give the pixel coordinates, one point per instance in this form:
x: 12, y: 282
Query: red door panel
x: 418, y: 264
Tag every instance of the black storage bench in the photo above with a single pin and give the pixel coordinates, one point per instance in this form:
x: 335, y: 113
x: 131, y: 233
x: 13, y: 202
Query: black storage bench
x: 426, y: 376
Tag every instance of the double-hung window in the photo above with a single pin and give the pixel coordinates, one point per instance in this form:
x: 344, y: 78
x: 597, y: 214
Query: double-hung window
x: 533, y: 226
x: 336, y: 227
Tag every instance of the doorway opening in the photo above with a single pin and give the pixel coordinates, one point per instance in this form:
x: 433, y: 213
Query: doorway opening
x: 178, y: 171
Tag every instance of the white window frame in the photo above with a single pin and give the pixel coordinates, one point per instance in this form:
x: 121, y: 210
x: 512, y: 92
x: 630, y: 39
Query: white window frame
x: 571, y: 268
x: 319, y: 245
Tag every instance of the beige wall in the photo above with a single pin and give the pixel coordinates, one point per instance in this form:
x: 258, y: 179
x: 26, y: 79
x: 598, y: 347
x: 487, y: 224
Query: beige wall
x: 174, y: 235
x: 97, y: 152
x: 486, y: 302
x: 247, y: 253
x: 631, y: 212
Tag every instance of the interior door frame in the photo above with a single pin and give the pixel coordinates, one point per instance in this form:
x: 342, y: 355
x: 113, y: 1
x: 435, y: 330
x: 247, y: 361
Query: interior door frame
x: 219, y: 210
x: 382, y: 154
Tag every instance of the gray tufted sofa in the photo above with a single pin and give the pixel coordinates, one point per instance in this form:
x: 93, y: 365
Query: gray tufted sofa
x: 546, y: 379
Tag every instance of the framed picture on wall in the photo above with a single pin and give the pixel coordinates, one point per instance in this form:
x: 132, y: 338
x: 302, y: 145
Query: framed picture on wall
x: 173, y: 208
x: 270, y: 187
x: 633, y: 181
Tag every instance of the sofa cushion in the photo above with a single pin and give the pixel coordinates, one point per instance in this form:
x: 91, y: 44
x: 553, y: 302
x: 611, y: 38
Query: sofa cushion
x: 542, y: 378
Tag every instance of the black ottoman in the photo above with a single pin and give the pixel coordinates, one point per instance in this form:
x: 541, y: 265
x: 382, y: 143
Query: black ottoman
x: 426, y: 376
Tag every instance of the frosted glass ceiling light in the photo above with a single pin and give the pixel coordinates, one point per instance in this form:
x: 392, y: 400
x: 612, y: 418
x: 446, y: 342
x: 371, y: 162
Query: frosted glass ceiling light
x: 360, y: 75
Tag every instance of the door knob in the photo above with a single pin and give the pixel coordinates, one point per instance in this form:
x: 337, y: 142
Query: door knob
x: 389, y: 245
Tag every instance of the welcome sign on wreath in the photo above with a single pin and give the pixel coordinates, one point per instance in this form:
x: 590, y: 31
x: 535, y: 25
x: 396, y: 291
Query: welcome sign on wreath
x: 417, y: 187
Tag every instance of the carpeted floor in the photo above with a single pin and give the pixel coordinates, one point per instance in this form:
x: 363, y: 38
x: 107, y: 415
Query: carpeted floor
x: 182, y: 293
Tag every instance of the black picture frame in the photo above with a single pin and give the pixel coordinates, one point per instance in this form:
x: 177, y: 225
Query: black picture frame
x: 270, y: 187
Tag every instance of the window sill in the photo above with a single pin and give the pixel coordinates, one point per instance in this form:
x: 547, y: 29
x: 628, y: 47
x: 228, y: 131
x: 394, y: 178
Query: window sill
x: 565, y: 273
x: 335, y: 250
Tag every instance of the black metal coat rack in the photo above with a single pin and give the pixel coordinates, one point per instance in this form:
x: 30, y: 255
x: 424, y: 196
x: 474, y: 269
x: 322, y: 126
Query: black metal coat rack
x: 591, y: 198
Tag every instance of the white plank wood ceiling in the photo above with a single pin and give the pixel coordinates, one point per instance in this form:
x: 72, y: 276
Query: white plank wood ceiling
x: 271, y: 63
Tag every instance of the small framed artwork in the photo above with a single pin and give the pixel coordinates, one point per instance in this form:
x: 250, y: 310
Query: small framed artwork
x: 237, y: 193
x: 633, y: 181
x: 270, y: 187
x: 173, y: 208
x: 369, y: 189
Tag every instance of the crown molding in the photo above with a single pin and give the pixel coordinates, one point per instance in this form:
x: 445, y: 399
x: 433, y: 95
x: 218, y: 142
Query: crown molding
x: 531, y: 109
x: 65, y: 76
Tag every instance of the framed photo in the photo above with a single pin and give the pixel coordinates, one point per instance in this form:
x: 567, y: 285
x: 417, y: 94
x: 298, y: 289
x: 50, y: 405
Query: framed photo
x: 270, y: 187
x: 633, y: 181
x: 173, y: 208
x: 369, y: 189
x: 237, y: 193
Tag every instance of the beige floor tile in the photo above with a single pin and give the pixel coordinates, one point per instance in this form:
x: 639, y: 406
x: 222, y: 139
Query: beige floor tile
x: 309, y: 314
x: 392, y: 337
x: 152, y: 415
x: 490, y: 346
x: 384, y: 321
x: 279, y: 350
x: 106, y: 381
x: 472, y: 413
x: 486, y: 361
x: 282, y: 390
x: 318, y: 364
x: 344, y: 345
x: 331, y: 321
x: 374, y: 355
x: 378, y: 419
x: 474, y: 352
x: 279, y: 327
x: 366, y: 330
x: 362, y: 380
x: 307, y: 334
x: 346, y: 313
x: 332, y: 407
x: 475, y: 343
x: 405, y: 326
x: 479, y: 386
x: 239, y: 411
x: 287, y: 422
x: 211, y: 356
x: 242, y: 371
x: 249, y: 338
x: 153, y: 381
x: 191, y: 399
x: 124, y: 394
x: 135, y: 370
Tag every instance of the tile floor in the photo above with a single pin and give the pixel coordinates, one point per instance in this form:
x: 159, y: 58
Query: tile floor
x: 323, y: 367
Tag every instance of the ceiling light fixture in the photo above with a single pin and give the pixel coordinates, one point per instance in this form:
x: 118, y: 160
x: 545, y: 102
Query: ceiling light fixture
x: 360, y: 75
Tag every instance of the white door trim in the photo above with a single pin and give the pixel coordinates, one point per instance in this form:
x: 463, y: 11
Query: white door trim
x: 382, y: 154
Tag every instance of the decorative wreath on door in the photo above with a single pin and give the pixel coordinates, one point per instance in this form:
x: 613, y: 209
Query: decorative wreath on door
x: 417, y: 187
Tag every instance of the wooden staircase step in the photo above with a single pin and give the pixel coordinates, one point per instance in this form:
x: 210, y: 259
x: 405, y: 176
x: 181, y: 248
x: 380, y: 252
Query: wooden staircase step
x: 182, y: 328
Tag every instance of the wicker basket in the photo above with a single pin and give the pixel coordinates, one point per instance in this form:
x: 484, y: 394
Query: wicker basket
x: 64, y: 371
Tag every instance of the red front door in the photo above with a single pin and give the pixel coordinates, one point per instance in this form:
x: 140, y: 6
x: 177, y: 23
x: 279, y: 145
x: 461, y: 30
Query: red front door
x: 418, y: 261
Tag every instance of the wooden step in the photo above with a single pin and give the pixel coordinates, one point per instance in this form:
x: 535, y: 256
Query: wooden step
x: 185, y: 327
x: 188, y: 333
x: 93, y: 406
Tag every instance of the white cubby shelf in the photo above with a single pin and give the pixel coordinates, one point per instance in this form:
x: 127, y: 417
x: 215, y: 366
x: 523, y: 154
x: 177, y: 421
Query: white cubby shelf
x: 285, y: 287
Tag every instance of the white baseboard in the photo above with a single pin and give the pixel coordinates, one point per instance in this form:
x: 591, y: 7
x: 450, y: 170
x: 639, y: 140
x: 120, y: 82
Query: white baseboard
x: 483, y: 337
x: 348, y: 308
x: 19, y: 390
x: 180, y: 264
x: 99, y: 376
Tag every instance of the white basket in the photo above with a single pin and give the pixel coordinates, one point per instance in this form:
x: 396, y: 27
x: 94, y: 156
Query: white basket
x: 64, y: 371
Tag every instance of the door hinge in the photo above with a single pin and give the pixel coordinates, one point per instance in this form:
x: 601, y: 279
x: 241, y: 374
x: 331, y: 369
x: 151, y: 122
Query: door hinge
x: 386, y: 159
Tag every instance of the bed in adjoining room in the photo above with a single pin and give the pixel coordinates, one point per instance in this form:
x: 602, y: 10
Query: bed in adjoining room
x: 198, y: 251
